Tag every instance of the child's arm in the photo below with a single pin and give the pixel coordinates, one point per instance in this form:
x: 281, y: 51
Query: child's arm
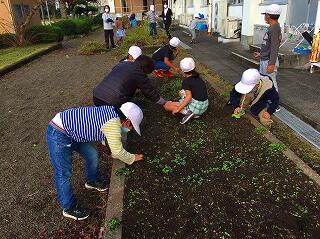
x: 185, y: 102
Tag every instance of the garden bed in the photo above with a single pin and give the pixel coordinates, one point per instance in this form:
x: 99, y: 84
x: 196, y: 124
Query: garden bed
x: 214, y: 177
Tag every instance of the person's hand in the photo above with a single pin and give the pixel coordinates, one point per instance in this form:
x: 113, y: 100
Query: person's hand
x: 266, y: 115
x: 138, y: 157
x: 270, y: 69
x: 175, y: 111
x: 256, y: 54
x: 167, y: 105
x: 177, y: 69
x: 237, y: 110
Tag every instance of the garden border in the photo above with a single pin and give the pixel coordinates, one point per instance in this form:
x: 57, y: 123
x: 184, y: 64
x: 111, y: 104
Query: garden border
x: 116, y: 188
x: 29, y: 58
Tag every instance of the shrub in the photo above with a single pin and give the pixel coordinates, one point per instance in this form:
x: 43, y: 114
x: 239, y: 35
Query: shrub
x: 92, y: 47
x: 44, y: 34
x: 97, y: 20
x: 140, y: 36
x: 7, y: 40
x: 83, y: 26
x: 68, y: 27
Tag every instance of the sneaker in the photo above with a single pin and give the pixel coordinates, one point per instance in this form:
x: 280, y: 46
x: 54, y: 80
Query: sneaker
x: 76, y: 212
x: 187, y: 117
x: 98, y: 185
x: 278, y: 109
x: 168, y: 73
x: 158, y: 73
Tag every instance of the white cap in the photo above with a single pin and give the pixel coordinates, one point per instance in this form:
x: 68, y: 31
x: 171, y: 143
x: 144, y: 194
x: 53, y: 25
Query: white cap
x: 133, y: 113
x: 273, y: 9
x: 151, y: 7
x: 135, y: 51
x: 174, y: 41
x: 248, y: 81
x: 187, y: 64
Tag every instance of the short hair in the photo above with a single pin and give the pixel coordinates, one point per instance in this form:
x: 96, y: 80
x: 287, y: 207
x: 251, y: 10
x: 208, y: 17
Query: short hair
x: 273, y: 16
x: 146, y: 63
x: 194, y: 73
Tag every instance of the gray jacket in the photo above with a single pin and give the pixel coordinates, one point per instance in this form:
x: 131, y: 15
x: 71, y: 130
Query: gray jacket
x: 108, y: 21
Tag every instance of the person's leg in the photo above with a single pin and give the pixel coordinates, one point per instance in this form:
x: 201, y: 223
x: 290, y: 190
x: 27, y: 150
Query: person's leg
x: 111, y: 34
x: 90, y: 154
x: 160, y: 65
x: 60, y: 152
x: 171, y: 106
x: 193, y: 35
x: 167, y: 27
x: 151, y: 29
x: 106, y: 38
x: 273, y: 75
x: 155, y: 29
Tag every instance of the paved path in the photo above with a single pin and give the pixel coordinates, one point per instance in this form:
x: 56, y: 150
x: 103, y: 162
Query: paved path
x: 299, y: 90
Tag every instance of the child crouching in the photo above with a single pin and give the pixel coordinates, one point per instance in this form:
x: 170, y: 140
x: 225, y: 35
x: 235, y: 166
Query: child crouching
x: 194, y: 97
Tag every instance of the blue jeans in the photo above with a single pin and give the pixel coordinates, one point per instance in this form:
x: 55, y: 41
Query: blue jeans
x: 61, y: 148
x: 153, y: 29
x: 160, y: 65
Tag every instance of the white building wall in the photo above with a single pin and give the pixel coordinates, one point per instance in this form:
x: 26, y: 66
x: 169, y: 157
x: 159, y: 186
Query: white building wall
x: 235, y: 11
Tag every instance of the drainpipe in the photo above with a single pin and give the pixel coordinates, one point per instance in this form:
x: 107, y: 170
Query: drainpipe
x: 210, y: 18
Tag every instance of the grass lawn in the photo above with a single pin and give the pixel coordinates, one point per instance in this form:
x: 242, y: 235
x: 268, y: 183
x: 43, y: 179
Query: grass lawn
x: 11, y: 55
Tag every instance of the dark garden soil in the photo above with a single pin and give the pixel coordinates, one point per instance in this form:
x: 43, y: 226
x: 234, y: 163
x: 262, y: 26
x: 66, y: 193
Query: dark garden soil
x: 30, y: 97
x: 214, y: 177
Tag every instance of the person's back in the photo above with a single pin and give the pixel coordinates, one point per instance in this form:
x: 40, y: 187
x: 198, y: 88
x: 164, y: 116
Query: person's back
x: 271, y: 39
x: 120, y: 84
x: 163, y: 52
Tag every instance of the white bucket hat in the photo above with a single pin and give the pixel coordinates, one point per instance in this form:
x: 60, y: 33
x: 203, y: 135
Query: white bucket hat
x: 174, y: 42
x: 248, y: 81
x: 187, y: 64
x: 133, y: 113
x: 273, y: 9
x: 135, y: 51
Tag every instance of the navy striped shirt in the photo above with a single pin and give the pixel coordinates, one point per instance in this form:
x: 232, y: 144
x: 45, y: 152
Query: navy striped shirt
x: 84, y: 124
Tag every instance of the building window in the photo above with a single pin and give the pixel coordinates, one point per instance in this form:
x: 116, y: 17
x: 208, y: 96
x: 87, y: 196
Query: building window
x: 189, y: 3
x: 20, y: 12
x: 236, y: 2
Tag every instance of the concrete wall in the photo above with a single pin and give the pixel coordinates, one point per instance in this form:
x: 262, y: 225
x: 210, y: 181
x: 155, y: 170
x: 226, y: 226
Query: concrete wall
x: 302, y: 12
x: 6, y: 22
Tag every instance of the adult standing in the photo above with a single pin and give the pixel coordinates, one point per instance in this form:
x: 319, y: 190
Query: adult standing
x: 167, y: 18
x: 120, y: 85
x: 108, y: 21
x: 74, y: 130
x: 270, y: 45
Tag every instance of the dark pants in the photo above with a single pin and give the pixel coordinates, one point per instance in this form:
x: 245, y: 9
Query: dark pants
x: 153, y: 29
x: 167, y: 28
x: 108, y: 34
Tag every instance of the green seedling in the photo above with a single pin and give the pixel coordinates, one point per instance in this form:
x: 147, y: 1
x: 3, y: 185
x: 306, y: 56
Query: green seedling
x: 167, y: 169
x: 238, y: 115
x: 114, y: 224
x: 225, y: 94
x: 179, y: 160
x: 135, y: 195
x: 155, y: 161
x: 275, y: 149
x: 122, y: 172
x: 260, y: 130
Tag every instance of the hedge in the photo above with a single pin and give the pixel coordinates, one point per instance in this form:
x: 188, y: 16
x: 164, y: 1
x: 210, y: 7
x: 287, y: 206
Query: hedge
x: 44, y: 34
x: 7, y: 40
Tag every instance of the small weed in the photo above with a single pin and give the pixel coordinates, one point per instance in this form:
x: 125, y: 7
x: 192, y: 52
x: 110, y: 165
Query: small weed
x: 227, y: 166
x: 225, y: 95
x: 92, y: 47
x: 275, y: 149
x: 155, y: 161
x: 122, y: 172
x: 114, y: 224
x: 216, y: 133
x: 179, y: 160
x: 260, y: 130
x: 167, y: 169
x: 134, y: 196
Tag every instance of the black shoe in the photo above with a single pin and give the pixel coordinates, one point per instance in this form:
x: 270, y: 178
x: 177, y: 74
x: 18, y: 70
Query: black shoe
x: 187, y: 117
x: 278, y: 109
x: 98, y: 185
x: 76, y: 212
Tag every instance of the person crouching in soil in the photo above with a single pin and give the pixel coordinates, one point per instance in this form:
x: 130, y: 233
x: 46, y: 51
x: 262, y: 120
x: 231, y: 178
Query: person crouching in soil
x: 75, y: 130
x: 257, y: 92
x: 194, y: 96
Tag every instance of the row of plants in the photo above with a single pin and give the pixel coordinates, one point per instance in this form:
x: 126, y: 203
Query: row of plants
x: 53, y: 33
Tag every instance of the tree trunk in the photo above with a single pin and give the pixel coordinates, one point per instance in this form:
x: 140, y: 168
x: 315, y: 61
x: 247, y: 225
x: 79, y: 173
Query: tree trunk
x: 63, y: 9
x: 21, y: 31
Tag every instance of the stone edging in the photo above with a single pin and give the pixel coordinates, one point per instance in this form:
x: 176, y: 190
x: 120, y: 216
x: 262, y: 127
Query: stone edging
x: 28, y: 59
